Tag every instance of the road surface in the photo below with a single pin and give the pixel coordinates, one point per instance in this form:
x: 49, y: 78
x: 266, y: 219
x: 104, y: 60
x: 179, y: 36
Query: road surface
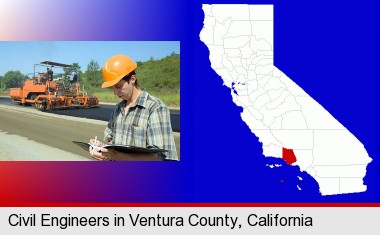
x: 29, y: 134
x: 102, y: 113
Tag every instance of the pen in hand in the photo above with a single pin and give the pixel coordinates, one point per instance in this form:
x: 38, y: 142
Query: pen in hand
x: 95, y: 144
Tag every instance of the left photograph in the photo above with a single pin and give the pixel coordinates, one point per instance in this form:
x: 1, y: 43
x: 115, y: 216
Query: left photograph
x: 90, y: 101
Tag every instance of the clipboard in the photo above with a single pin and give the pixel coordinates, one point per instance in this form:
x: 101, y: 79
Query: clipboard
x: 122, y: 148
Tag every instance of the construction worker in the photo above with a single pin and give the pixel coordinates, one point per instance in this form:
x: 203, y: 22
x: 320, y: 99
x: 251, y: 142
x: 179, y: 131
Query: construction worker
x: 139, y: 120
x: 41, y: 79
x: 73, y: 77
x: 48, y: 74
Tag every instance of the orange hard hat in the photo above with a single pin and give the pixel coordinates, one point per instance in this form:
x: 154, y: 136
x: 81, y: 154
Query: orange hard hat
x: 115, y: 68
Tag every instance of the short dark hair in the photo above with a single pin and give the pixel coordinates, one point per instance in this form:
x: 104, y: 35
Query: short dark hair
x: 127, y: 78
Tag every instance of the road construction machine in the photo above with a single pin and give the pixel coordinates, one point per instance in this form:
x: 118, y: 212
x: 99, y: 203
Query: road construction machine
x: 45, y: 91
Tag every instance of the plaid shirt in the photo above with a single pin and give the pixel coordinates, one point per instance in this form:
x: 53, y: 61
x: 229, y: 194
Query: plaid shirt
x: 146, y: 124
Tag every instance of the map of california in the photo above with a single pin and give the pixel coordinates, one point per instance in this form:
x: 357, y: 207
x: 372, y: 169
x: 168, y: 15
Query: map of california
x: 288, y: 122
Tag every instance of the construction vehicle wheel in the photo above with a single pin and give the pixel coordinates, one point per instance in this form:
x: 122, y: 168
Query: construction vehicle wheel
x: 33, y: 97
x: 44, y: 105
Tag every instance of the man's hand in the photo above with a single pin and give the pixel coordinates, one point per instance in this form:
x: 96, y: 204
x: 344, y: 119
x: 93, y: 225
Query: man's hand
x: 97, y: 151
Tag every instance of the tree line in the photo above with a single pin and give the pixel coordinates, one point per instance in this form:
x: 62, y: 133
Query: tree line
x: 162, y: 75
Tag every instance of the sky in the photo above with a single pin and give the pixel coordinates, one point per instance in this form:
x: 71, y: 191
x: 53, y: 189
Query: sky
x: 23, y: 55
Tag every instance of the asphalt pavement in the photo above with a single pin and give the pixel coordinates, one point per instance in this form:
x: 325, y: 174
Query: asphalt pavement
x: 102, y: 113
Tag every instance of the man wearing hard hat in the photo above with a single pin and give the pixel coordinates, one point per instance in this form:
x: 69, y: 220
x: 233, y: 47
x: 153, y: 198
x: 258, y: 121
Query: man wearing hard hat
x: 139, y: 120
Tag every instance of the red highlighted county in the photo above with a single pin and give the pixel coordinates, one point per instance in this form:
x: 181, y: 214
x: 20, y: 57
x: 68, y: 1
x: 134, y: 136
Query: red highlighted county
x: 288, y: 156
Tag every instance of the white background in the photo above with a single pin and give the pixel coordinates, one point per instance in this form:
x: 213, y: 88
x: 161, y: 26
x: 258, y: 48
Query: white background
x: 326, y: 220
